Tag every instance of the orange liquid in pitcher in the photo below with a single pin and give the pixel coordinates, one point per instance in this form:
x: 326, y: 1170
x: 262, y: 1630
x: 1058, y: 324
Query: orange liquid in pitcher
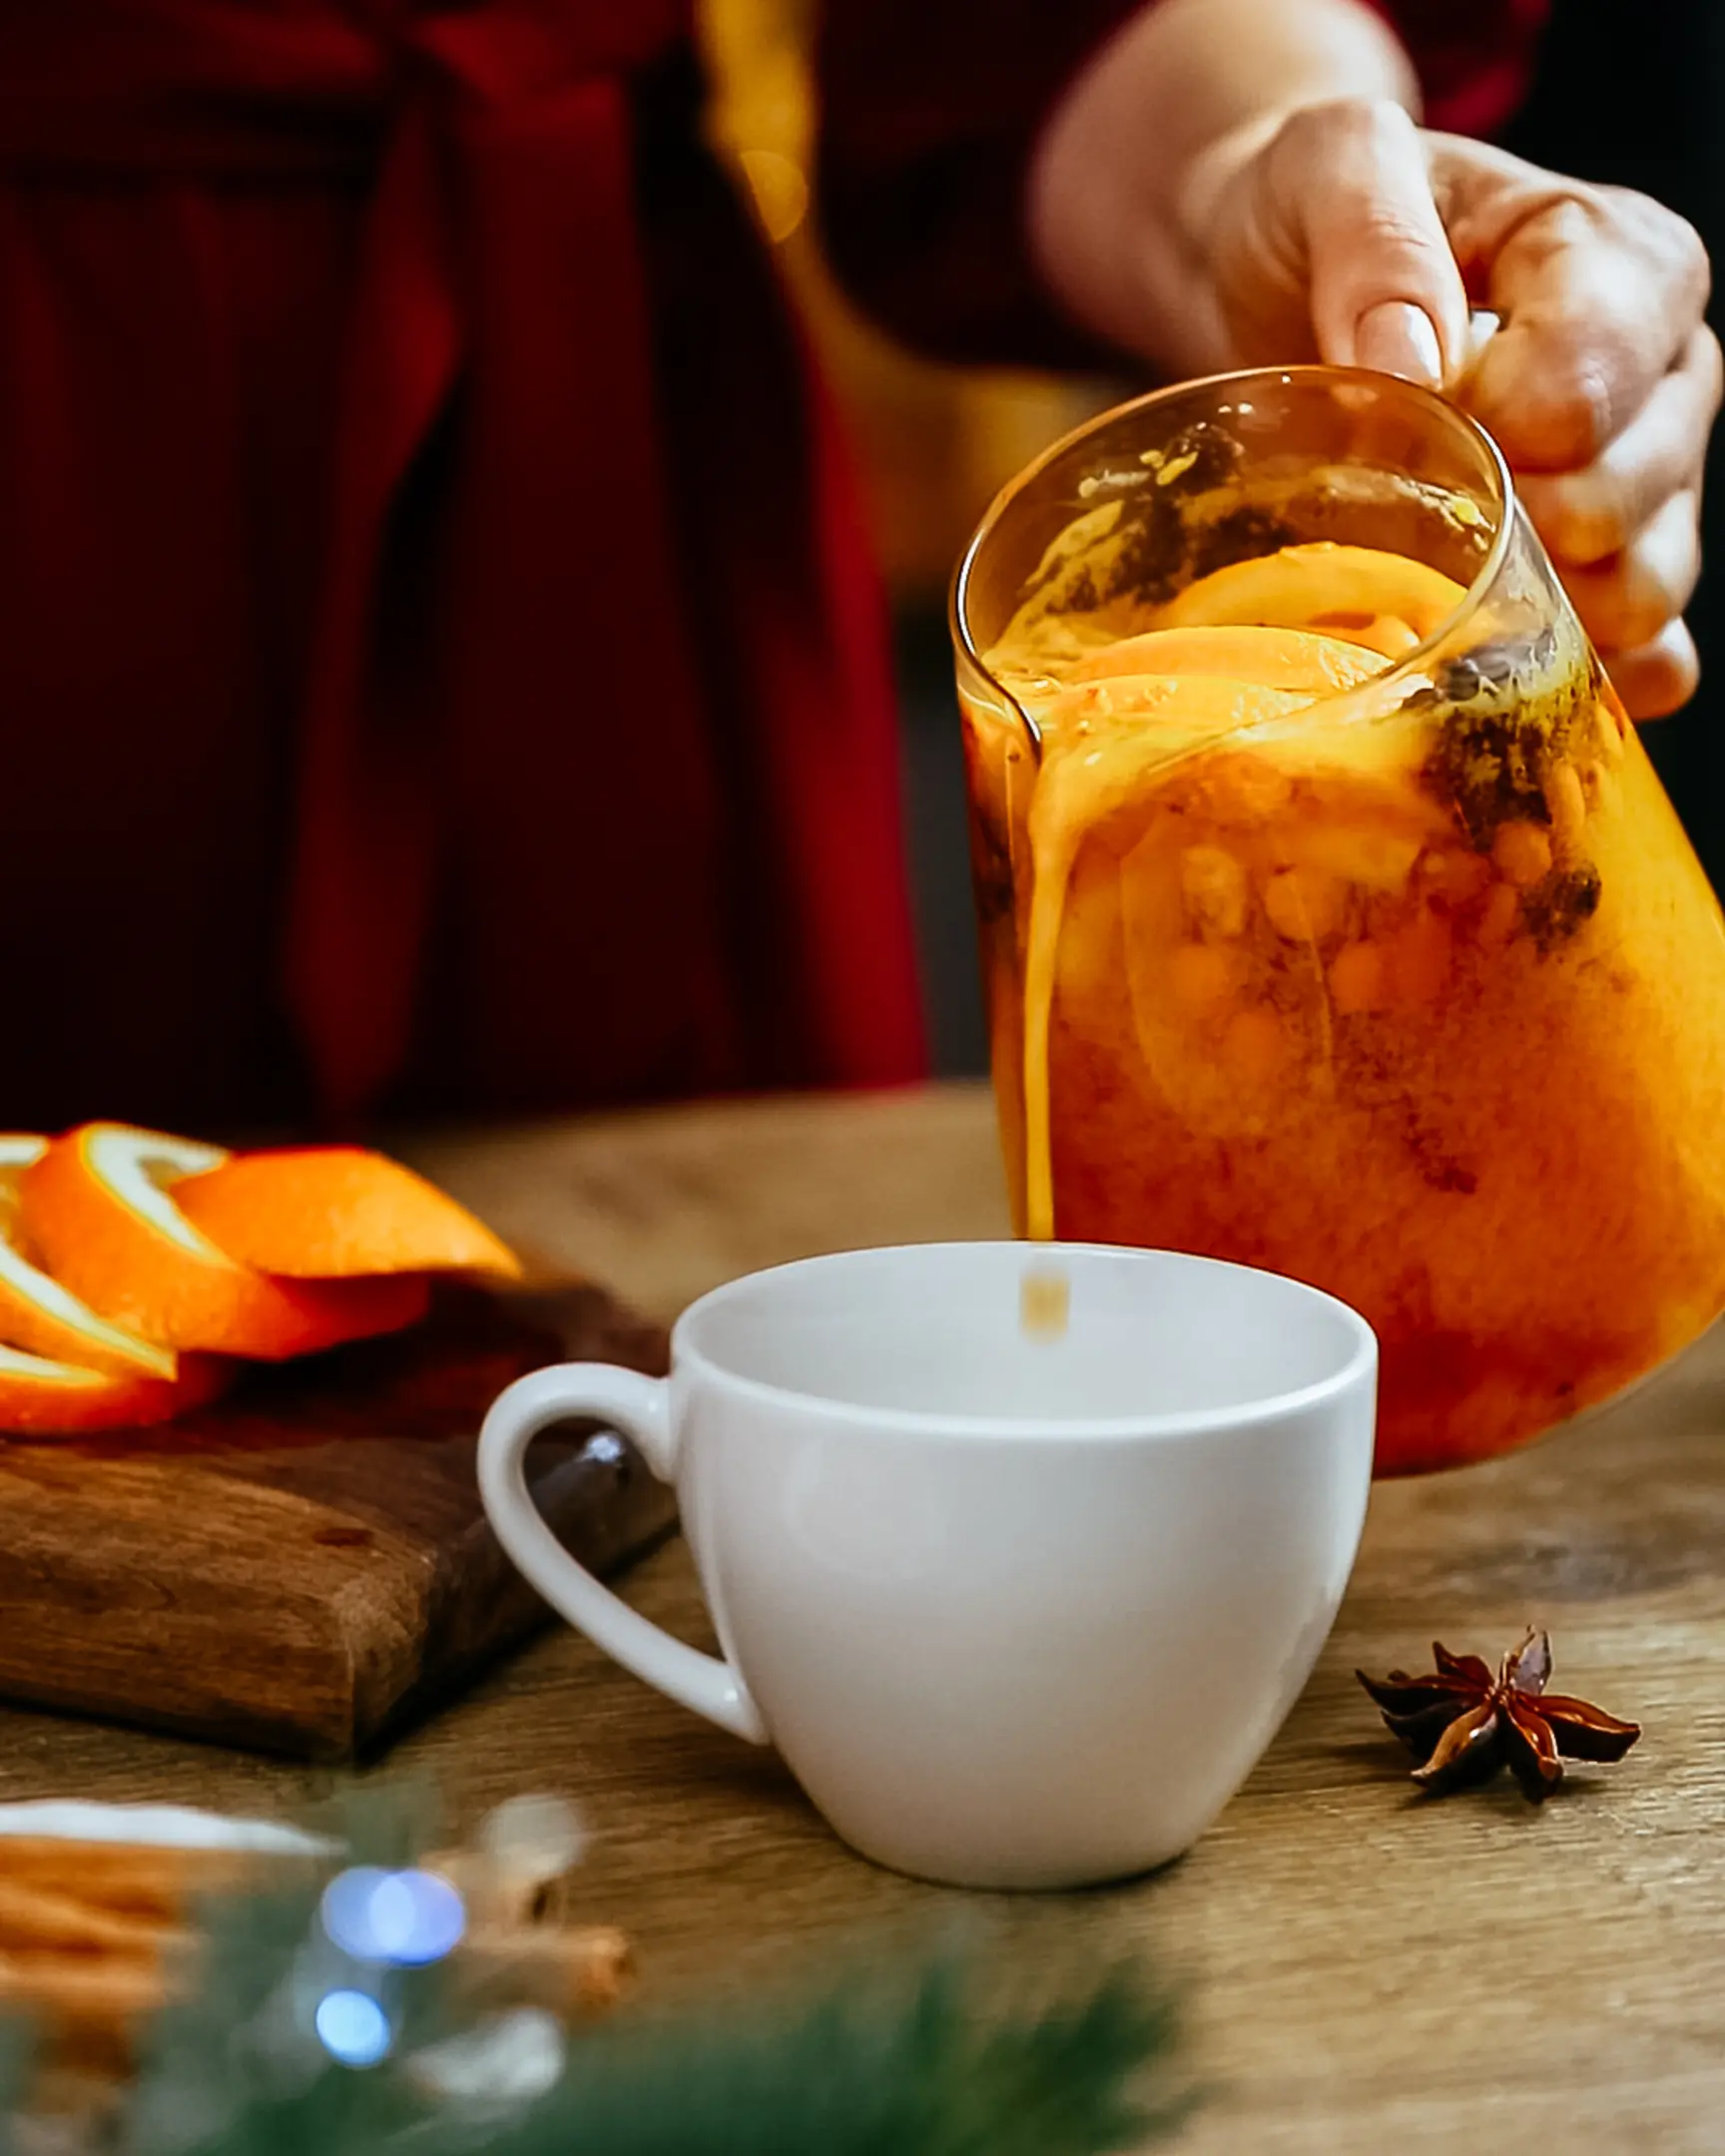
x: 1417, y: 996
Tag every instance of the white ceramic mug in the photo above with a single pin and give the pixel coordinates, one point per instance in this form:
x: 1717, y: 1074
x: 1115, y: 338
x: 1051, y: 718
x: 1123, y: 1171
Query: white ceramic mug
x: 1018, y: 1610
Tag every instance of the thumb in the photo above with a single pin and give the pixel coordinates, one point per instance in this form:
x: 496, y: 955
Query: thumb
x: 1353, y: 190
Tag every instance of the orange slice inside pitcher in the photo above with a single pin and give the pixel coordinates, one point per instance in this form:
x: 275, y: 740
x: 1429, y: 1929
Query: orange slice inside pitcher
x: 98, y: 1209
x: 1321, y: 586
x: 1293, y: 659
x: 336, y: 1213
x: 1237, y: 651
x: 40, y: 1315
x: 44, y: 1397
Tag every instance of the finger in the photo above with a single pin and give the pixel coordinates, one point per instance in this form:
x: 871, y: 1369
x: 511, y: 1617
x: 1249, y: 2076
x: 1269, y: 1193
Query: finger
x: 1600, y: 290
x: 1629, y: 600
x: 1660, y: 678
x: 1587, y: 515
x: 1347, y: 198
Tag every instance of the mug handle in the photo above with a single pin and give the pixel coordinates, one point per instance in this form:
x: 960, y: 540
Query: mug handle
x: 640, y: 1407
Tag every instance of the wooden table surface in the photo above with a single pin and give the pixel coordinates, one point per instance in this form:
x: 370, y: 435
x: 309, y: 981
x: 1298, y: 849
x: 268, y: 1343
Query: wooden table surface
x: 1368, y: 1968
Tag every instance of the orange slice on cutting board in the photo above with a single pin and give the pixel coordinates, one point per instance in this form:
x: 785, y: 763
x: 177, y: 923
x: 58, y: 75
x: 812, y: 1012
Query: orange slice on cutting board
x: 40, y: 1315
x: 44, y: 1397
x: 336, y: 1213
x: 98, y: 1210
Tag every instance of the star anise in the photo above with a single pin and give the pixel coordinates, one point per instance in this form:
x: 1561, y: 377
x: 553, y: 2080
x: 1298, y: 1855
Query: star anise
x: 1462, y: 1724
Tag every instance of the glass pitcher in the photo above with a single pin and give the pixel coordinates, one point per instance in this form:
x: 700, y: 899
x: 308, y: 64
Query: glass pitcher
x: 1333, y: 917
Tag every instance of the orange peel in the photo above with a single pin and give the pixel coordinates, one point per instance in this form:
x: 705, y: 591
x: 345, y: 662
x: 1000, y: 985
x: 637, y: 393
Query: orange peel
x: 39, y: 1314
x: 336, y: 1213
x: 44, y: 1397
x: 98, y: 1209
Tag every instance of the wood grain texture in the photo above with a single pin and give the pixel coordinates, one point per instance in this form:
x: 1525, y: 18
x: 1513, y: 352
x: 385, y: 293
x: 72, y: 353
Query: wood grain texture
x: 305, y: 1564
x: 1369, y: 1969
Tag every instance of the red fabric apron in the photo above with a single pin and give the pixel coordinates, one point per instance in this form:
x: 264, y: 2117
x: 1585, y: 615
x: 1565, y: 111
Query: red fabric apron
x: 430, y: 682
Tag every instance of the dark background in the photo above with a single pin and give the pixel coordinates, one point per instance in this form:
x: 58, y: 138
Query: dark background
x: 1631, y: 92
x: 1634, y: 92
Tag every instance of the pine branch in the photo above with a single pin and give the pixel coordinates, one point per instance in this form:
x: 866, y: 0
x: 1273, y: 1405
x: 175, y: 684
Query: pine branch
x: 875, y: 2068
x: 875, y: 2073
x: 915, y: 2056
x: 17, y: 2067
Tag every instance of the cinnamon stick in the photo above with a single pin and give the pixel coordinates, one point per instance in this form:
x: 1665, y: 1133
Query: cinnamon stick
x: 583, y: 1970
x: 59, y: 1919
x: 92, y: 2005
x: 144, y: 1877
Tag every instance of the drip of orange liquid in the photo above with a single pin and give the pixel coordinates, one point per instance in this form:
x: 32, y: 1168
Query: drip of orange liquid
x: 1229, y: 658
x: 1044, y: 1304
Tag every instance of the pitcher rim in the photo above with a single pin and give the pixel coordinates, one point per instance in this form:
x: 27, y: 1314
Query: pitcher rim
x: 1450, y: 412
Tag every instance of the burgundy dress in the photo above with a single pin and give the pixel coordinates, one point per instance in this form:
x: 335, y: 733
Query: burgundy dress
x: 441, y: 666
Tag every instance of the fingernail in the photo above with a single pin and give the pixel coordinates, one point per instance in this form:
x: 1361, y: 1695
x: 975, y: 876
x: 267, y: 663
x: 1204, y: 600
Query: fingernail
x: 1398, y: 337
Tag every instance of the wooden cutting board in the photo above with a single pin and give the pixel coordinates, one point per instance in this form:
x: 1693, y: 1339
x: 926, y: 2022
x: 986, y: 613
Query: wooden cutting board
x: 305, y: 1567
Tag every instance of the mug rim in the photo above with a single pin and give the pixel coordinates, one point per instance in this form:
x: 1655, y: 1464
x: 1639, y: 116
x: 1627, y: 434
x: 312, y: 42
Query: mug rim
x: 1165, y: 1425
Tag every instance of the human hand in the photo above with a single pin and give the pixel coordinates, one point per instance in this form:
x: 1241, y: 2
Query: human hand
x: 1349, y: 235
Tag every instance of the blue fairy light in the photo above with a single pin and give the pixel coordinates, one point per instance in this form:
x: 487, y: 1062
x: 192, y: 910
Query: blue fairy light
x: 404, y: 1918
x: 353, y: 2027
